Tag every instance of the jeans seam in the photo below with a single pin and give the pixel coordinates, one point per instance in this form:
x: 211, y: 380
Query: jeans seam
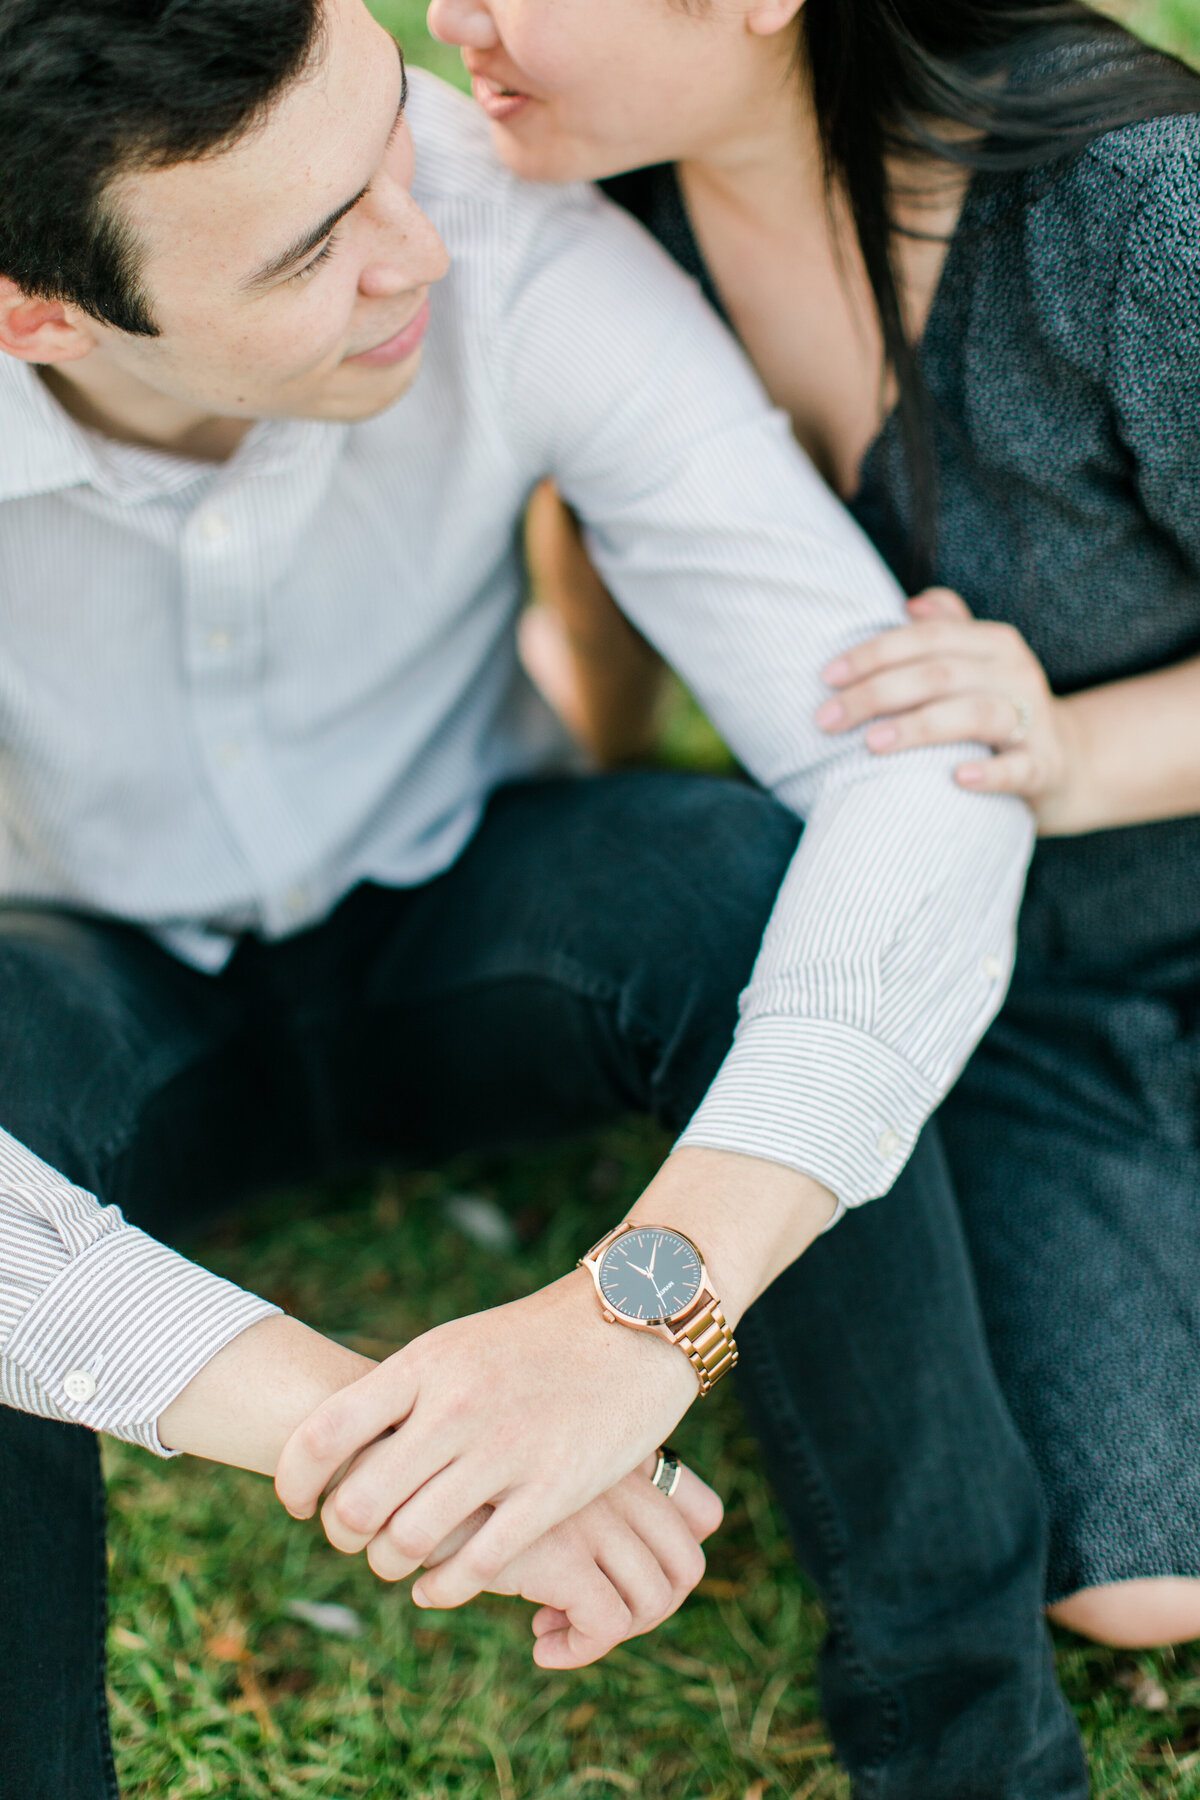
x: 870, y: 1783
x: 107, y: 1760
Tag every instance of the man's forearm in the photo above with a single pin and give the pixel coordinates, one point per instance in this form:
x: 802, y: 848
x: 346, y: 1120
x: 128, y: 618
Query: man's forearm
x: 244, y: 1405
x: 750, y: 1218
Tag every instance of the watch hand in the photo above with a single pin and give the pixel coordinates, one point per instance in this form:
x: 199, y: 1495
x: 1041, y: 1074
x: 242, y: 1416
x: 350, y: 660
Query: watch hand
x: 653, y: 1254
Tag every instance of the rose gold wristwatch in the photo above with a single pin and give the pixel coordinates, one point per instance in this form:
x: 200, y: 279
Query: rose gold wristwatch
x: 654, y: 1278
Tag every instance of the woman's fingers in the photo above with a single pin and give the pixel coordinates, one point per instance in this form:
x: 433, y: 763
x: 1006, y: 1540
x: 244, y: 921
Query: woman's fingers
x: 1018, y: 772
x: 939, y: 603
x: 980, y: 718
x: 901, y: 689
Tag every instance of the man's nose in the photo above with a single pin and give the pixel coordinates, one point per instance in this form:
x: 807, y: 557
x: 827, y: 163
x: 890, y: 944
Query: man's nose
x: 411, y: 254
x: 466, y: 23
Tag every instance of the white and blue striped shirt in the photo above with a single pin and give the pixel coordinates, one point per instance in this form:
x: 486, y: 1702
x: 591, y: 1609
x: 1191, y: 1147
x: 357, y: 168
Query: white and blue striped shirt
x: 228, y: 694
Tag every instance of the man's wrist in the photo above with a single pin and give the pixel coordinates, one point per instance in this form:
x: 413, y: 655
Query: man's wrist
x: 749, y: 1218
x: 244, y: 1404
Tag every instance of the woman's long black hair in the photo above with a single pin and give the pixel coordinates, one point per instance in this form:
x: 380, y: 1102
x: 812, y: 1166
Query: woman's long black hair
x: 897, y: 78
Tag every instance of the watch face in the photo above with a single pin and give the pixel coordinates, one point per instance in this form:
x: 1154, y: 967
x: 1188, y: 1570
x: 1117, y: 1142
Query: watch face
x: 649, y: 1275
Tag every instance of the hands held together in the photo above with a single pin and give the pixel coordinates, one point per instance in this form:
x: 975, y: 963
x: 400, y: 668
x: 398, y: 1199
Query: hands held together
x: 949, y: 677
x: 485, y: 1452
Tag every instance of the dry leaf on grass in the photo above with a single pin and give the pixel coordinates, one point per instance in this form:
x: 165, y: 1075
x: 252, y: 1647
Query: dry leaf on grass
x: 1146, y: 1691
x: 327, y: 1616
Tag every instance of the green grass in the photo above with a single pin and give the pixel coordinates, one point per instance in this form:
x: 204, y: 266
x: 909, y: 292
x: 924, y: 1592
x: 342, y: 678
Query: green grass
x: 217, y: 1691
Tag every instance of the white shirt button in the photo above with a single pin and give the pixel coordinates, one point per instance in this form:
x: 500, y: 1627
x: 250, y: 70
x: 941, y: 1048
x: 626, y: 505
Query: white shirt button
x: 296, y: 901
x: 80, y: 1385
x: 888, y: 1144
x: 220, y: 640
x: 992, y: 967
x: 230, y: 754
x: 214, y: 527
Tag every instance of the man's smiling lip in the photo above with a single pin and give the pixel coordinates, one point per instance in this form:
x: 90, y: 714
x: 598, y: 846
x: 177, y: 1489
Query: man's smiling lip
x: 396, y: 348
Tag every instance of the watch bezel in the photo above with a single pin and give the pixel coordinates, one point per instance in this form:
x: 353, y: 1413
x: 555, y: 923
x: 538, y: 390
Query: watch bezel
x: 681, y: 1312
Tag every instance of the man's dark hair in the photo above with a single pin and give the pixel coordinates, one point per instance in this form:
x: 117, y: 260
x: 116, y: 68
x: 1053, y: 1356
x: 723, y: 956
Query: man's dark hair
x: 93, y: 89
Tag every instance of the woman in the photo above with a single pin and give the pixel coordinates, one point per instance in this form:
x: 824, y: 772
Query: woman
x: 962, y: 246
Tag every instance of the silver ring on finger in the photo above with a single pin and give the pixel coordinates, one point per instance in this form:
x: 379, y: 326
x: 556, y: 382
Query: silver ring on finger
x: 1024, y: 724
x: 667, y: 1471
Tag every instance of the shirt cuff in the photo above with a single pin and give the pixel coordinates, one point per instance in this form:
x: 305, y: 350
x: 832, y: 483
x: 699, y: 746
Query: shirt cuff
x: 114, y: 1338
x: 818, y: 1096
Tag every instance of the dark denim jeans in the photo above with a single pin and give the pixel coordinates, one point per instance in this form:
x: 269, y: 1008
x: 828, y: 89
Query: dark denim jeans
x: 581, y: 960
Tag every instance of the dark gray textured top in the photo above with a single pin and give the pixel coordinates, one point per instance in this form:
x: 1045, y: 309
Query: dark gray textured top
x: 1063, y: 354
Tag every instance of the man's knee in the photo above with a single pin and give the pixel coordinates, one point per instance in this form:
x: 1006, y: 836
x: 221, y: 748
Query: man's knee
x: 70, y: 1042
x: 1134, y: 1615
x: 721, y: 849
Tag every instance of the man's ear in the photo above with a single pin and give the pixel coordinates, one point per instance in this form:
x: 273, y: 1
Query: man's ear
x: 41, y: 331
x: 765, y: 17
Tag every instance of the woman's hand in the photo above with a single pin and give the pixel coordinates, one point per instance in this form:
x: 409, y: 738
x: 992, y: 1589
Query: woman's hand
x: 615, y: 1570
x: 948, y: 677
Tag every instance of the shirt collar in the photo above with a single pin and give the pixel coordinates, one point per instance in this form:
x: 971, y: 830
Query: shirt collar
x: 43, y: 450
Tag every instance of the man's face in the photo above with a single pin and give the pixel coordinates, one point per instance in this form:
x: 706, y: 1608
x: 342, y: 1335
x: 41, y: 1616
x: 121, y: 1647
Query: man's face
x: 265, y: 309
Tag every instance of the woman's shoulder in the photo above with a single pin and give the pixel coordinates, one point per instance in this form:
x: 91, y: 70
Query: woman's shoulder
x: 1139, y: 178
x: 1124, y: 211
x: 1151, y: 148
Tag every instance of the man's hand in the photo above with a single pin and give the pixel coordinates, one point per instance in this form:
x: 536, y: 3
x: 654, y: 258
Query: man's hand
x: 616, y: 1570
x: 533, y: 1409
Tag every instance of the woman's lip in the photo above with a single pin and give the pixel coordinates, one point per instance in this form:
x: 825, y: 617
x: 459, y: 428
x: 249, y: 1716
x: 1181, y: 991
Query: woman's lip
x: 498, y: 103
x: 397, y: 348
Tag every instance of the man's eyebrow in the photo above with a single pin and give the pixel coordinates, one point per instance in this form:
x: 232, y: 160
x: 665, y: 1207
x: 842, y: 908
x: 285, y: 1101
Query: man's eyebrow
x: 304, y: 247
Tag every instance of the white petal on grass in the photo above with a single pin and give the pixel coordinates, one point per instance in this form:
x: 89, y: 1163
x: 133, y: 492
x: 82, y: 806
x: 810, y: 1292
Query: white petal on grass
x: 481, y: 1222
x: 326, y: 1615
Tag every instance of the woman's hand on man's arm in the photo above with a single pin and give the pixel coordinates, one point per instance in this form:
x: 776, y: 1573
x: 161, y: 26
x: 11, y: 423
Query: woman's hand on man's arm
x: 1120, y: 754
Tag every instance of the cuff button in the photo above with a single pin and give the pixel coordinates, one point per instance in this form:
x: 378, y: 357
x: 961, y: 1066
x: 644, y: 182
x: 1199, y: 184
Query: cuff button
x: 79, y: 1385
x: 888, y: 1144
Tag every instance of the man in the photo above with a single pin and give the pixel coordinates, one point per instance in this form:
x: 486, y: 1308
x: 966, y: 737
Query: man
x: 294, y: 880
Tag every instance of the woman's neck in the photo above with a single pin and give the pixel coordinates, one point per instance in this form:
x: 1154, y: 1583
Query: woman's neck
x: 766, y: 163
x: 763, y: 158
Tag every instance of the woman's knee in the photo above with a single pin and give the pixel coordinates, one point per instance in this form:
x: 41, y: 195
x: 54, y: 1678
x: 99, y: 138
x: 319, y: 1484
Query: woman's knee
x: 1134, y: 1615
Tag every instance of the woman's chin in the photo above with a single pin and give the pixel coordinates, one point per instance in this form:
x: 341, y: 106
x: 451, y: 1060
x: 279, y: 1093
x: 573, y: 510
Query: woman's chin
x: 548, y: 160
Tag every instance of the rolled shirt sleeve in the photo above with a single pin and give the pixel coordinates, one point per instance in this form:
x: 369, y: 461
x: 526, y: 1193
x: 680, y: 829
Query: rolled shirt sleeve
x: 100, y: 1325
x: 892, y: 940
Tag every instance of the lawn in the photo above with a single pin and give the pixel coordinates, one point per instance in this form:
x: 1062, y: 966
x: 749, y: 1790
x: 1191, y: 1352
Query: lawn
x: 218, y: 1688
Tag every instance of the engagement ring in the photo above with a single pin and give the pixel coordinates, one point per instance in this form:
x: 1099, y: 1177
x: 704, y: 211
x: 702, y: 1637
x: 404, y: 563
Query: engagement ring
x: 1021, y: 729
